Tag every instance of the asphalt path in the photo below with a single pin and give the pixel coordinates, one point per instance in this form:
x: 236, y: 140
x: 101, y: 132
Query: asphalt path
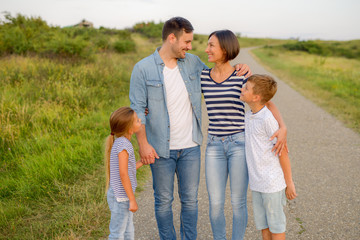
x: 325, y: 158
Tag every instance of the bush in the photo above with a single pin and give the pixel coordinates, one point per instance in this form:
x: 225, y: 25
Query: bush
x: 149, y: 29
x: 123, y: 46
x: 22, y: 35
x: 347, y: 49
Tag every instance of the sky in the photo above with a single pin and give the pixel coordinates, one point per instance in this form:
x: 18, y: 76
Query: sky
x: 302, y: 19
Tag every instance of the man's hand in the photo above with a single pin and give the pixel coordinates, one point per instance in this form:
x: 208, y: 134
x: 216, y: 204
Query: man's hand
x: 243, y: 69
x: 147, y: 154
x: 281, y: 143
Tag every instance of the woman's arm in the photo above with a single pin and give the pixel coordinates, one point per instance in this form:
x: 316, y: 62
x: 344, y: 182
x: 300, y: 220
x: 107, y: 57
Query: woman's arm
x: 280, y: 134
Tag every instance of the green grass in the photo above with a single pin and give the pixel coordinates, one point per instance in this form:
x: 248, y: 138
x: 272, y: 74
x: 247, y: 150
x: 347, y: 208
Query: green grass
x: 54, y: 119
x: 331, y: 82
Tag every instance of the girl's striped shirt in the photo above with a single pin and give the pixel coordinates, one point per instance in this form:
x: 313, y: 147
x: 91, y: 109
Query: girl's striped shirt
x: 225, y: 109
x: 120, y: 144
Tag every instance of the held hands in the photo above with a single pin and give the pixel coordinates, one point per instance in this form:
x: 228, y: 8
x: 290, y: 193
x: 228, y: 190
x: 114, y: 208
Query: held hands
x: 133, y: 206
x: 147, y: 154
x: 243, y: 69
x: 290, y: 191
x: 281, y: 143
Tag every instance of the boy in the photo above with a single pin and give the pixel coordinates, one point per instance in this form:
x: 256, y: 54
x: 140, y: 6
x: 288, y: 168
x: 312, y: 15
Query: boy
x: 269, y: 175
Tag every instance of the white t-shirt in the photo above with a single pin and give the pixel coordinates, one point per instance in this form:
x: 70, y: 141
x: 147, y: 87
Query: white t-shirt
x: 265, y: 172
x: 179, y: 109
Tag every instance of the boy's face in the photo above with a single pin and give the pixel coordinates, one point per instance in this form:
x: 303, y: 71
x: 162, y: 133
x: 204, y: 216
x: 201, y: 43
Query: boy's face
x: 247, y: 94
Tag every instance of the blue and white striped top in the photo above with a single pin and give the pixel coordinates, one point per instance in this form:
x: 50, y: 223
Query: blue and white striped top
x: 225, y: 109
x: 120, y: 144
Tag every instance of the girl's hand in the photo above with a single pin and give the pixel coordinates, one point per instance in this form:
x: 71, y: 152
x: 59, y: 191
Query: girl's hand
x: 290, y: 191
x: 133, y: 206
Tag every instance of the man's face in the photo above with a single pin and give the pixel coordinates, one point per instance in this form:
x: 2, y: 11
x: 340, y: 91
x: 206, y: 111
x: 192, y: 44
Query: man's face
x: 183, y: 44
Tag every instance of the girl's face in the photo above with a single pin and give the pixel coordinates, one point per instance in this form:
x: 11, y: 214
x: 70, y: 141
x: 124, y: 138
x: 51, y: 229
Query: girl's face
x: 136, y: 124
x: 214, y: 51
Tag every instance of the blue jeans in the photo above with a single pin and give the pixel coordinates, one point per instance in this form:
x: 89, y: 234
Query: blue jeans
x: 121, y: 222
x: 225, y: 156
x: 186, y: 164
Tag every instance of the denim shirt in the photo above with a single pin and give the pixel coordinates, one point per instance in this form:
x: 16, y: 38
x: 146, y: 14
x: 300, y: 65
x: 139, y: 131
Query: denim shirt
x: 147, y: 90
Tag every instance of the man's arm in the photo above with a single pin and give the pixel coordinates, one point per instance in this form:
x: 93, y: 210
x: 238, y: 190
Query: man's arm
x: 138, y: 100
x: 279, y: 134
x: 286, y: 167
x: 147, y: 152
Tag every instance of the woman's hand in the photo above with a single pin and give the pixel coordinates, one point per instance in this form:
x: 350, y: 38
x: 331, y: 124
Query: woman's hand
x: 281, y: 143
x: 243, y: 69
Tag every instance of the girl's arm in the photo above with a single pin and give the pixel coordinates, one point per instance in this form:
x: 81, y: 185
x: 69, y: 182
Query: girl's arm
x: 139, y: 164
x: 279, y: 134
x: 125, y: 179
x: 286, y: 167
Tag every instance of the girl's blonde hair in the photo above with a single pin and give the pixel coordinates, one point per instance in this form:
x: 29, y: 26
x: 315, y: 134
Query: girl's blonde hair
x: 121, y: 122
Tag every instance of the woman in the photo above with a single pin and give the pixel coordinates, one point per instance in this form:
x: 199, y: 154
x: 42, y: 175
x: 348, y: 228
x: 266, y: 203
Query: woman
x: 225, y: 151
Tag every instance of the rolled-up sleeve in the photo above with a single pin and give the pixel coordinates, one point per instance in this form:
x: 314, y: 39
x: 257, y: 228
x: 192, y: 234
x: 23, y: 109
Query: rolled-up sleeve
x: 138, y: 93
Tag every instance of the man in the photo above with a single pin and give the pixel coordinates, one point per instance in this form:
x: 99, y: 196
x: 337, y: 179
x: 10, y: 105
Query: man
x: 167, y: 83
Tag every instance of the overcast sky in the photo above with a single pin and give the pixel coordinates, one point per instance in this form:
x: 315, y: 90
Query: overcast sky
x: 304, y: 19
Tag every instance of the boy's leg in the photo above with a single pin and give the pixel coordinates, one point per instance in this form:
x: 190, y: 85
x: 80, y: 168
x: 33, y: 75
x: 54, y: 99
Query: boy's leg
x: 278, y: 236
x: 163, y: 172
x: 274, y: 204
x: 266, y: 234
x: 188, y: 175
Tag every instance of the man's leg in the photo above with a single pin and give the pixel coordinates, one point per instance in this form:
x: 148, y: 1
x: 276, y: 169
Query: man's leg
x: 188, y: 173
x: 163, y: 171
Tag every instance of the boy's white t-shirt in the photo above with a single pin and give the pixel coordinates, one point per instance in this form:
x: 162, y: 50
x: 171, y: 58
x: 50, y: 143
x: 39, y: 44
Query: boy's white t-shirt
x: 265, y: 172
x: 179, y: 109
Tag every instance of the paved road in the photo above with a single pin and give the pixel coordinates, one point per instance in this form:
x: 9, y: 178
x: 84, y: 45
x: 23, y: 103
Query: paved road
x: 325, y: 158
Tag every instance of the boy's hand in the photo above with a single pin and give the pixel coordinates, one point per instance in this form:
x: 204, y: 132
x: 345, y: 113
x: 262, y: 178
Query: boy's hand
x: 243, y: 69
x: 290, y: 191
x: 133, y: 206
x: 281, y: 143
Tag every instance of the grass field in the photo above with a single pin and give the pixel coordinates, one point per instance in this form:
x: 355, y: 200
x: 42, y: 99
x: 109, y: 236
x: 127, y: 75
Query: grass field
x: 331, y: 82
x: 54, y: 119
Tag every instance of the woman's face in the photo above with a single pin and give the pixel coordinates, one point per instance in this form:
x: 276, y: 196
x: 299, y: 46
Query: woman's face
x: 214, y: 51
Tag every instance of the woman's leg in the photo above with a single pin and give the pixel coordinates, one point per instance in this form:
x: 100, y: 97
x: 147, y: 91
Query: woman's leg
x: 238, y: 175
x: 216, y: 177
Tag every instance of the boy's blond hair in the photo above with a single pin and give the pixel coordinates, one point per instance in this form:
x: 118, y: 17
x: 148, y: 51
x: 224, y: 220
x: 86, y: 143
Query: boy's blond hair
x: 264, y: 86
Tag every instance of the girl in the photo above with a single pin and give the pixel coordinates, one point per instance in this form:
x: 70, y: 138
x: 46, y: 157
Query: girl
x: 225, y: 151
x: 121, y: 168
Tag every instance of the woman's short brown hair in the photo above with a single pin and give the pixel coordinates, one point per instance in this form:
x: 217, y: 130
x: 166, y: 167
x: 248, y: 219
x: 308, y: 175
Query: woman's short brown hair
x: 228, y: 43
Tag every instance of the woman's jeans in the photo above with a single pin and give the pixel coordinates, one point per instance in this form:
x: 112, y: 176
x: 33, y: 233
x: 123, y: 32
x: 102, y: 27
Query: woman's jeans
x: 225, y: 156
x: 121, y: 223
x: 186, y: 164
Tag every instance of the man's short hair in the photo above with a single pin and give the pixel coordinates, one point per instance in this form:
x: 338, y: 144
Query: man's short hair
x: 228, y: 43
x: 264, y: 85
x: 176, y: 25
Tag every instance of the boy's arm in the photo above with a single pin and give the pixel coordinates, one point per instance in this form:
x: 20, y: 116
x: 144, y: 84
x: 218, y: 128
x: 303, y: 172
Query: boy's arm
x: 286, y: 167
x: 279, y: 134
x: 125, y: 179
